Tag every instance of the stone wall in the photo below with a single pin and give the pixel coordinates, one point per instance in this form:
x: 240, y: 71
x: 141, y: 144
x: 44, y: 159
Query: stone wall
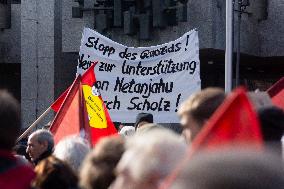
x: 37, y: 58
x: 10, y: 39
x: 45, y: 39
x: 260, y: 35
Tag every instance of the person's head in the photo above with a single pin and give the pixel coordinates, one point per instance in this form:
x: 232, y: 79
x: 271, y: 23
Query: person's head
x: 72, y: 150
x: 40, y: 142
x: 142, y: 119
x: 9, y: 120
x: 54, y: 173
x: 148, y: 127
x: 97, y: 170
x: 272, y: 123
x: 119, y: 125
x: 197, y: 109
x: 148, y: 159
x: 272, y: 126
x: 127, y: 131
x: 231, y: 169
x: 20, y: 149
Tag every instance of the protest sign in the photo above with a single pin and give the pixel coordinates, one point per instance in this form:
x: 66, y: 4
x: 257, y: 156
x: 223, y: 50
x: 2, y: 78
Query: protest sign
x: 152, y: 79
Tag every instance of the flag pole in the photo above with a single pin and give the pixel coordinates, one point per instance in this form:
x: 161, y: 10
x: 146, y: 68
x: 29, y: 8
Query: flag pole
x: 229, y: 45
x: 34, y: 124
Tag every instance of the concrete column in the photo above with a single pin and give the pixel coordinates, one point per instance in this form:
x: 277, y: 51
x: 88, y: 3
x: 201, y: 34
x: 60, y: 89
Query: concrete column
x: 37, y: 58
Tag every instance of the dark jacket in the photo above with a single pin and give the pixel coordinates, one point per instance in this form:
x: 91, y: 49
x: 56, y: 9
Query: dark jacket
x: 42, y: 156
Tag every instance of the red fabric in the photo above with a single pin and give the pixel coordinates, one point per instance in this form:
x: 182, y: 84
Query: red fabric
x: 72, y: 116
x: 97, y: 134
x: 18, y: 177
x: 89, y: 79
x: 276, y: 92
x: 234, y: 123
x: 57, y: 104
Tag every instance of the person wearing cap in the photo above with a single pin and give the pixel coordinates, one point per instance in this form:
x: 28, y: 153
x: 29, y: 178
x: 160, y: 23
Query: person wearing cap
x: 142, y: 119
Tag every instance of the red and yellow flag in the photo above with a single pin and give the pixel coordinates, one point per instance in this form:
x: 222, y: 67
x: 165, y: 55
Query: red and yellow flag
x: 99, y: 119
x: 80, y: 102
x: 71, y: 118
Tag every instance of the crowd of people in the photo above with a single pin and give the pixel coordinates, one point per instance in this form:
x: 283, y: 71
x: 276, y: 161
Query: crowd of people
x: 143, y: 156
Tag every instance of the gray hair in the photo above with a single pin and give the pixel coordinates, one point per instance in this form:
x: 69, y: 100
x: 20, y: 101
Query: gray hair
x: 156, y: 152
x: 127, y: 131
x: 72, y: 150
x: 43, y: 135
x: 237, y: 168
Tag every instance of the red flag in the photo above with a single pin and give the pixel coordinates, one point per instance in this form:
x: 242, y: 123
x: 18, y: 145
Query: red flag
x: 57, y: 104
x: 234, y: 123
x: 276, y: 92
x: 100, y: 123
x: 90, y: 80
x: 83, y: 102
x: 71, y: 119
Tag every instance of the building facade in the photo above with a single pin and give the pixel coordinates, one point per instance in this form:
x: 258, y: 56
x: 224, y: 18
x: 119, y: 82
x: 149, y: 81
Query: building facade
x: 39, y: 50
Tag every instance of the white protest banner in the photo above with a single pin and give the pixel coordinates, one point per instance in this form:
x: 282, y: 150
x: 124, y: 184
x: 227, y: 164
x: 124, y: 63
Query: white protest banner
x: 152, y: 79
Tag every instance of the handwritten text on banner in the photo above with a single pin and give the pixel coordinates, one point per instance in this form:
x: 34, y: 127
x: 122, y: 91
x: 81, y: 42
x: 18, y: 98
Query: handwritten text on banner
x: 152, y: 79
